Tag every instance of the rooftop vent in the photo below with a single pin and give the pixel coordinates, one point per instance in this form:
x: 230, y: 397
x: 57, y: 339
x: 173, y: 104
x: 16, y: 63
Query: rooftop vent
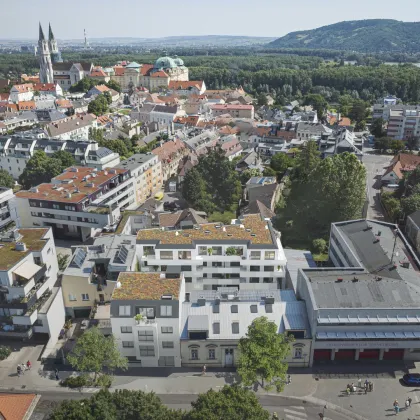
x: 34, y: 190
x: 176, y: 233
x: 105, y: 172
x: 355, y: 279
x: 248, y: 230
x: 339, y: 279
x: 206, y: 231
x: 73, y: 169
x: 68, y: 195
x: 167, y: 297
x: 201, y: 301
x: 269, y: 299
x: 368, y: 228
x: 20, y: 246
x: 253, y: 234
x: 112, y: 171
x: 376, y: 241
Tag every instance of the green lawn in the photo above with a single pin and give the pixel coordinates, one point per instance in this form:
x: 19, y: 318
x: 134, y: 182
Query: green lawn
x: 124, y: 111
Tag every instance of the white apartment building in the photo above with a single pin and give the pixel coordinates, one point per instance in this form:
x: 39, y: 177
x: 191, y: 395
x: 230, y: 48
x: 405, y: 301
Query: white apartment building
x: 72, y: 128
x: 145, y: 317
x: 15, y: 151
x: 7, y: 207
x: 246, y: 254
x: 403, y: 123
x: 19, y: 93
x: 146, y: 170
x: 30, y: 304
x: 78, y: 203
x: 165, y: 115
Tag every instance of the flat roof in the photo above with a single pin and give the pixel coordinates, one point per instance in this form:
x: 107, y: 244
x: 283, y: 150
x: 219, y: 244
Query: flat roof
x: 33, y: 239
x: 252, y: 228
x: 145, y: 286
x: 357, y: 290
x: 135, y: 161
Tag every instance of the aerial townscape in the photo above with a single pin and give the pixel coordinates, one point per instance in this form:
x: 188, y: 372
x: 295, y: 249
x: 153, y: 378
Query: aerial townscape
x: 208, y: 227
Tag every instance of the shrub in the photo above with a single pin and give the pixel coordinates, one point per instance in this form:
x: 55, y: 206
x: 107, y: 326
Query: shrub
x: 77, y: 381
x: 319, y: 246
x: 104, y: 381
x: 5, y: 352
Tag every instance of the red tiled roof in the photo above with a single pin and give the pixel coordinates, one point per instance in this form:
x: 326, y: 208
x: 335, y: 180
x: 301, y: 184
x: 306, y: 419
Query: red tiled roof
x: 231, y: 107
x: 44, y: 87
x: 102, y: 88
x: 183, y: 85
x: 25, y: 87
x: 145, y: 69
x: 104, y: 119
x: 97, y: 72
x: 159, y: 73
x: 188, y: 120
x: 64, y: 103
x: 119, y: 70
x: 4, y: 96
x: 168, y: 149
x: 15, y: 406
x: 25, y: 105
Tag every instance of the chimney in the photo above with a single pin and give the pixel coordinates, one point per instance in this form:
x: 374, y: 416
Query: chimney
x: 201, y: 301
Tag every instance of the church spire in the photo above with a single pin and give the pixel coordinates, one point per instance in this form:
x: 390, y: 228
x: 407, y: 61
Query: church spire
x: 41, y: 33
x: 50, y: 32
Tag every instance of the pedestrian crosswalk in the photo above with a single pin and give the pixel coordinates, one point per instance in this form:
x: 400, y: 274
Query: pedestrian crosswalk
x: 298, y: 412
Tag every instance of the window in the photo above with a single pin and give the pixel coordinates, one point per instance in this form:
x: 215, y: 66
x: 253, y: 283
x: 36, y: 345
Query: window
x: 234, y: 309
x: 85, y: 296
x: 128, y: 343
x: 126, y: 330
x: 147, y: 351
x: 49, y: 251
x: 269, y: 255
x: 166, y: 311
x: 186, y: 268
x: 166, y: 255
x: 56, y: 206
x: 235, y: 264
x: 72, y: 298
x: 125, y: 310
x: 212, y: 354
x: 147, y: 312
x: 168, y: 344
x: 217, y: 264
x: 188, y: 279
x: 202, y: 250
x: 216, y: 327
x: 235, y: 327
x: 217, y: 250
x: 145, y: 335
x: 254, y: 268
x: 254, y: 280
x: 298, y: 353
x: 254, y: 309
x: 268, y: 280
x: 255, y: 255
x: 167, y: 330
x: 194, y: 354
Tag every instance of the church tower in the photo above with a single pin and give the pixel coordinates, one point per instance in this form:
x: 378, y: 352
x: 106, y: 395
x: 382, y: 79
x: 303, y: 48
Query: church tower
x: 45, y: 66
x: 52, y: 43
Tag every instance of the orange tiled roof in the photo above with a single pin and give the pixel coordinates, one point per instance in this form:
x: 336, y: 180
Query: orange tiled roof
x: 102, y: 88
x: 44, y: 87
x: 25, y: 87
x: 227, y: 129
x: 104, y: 119
x: 188, y: 120
x: 78, y: 187
x: 168, y: 149
x: 159, y: 73
x: 4, y: 96
x: 183, y: 85
x: 119, y: 70
x: 145, y: 69
x: 12, y: 107
x: 64, y: 103
x: 97, y: 72
x: 228, y: 107
x: 25, y: 105
x: 15, y: 406
x: 145, y: 286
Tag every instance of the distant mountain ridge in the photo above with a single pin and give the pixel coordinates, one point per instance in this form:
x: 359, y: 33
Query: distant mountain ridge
x: 371, y: 35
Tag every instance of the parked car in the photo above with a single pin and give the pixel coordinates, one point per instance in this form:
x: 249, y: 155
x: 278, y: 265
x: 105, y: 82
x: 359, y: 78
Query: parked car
x: 171, y: 206
x: 411, y: 379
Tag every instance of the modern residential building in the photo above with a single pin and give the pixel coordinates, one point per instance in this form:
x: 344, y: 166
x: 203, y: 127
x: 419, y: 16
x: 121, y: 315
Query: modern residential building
x: 308, y: 130
x: 341, y: 141
x: 366, y: 308
x: 72, y: 128
x: 78, y: 203
x: 146, y: 169
x: 92, y: 274
x: 213, y: 322
x: 30, y: 304
x: 145, y: 317
x: 170, y: 155
x: 246, y: 254
x: 15, y: 151
x: 403, y: 123
x: 412, y: 229
x: 236, y: 111
x: 7, y: 207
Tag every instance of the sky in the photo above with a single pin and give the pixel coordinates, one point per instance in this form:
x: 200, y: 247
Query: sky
x: 160, y: 18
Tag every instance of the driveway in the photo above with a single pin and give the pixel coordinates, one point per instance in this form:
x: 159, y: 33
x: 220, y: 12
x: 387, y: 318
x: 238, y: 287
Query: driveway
x: 375, y: 167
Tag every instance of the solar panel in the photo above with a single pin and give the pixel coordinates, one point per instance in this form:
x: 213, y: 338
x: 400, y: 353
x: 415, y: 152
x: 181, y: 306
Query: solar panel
x: 123, y: 254
x: 79, y: 257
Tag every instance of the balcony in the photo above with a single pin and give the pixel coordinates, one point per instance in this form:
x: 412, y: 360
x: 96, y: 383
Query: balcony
x: 16, y: 332
x: 20, y: 303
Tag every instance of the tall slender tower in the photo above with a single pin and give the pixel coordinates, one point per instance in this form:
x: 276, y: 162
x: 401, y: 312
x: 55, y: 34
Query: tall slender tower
x: 86, y: 42
x: 52, y: 43
x: 45, y: 66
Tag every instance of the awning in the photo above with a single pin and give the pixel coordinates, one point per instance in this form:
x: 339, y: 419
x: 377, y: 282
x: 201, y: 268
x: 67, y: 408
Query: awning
x: 27, y: 270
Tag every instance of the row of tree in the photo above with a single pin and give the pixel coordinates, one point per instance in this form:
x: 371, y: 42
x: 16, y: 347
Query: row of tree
x: 318, y: 193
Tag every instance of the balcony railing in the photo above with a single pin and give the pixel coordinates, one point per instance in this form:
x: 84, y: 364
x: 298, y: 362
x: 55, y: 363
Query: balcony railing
x: 16, y: 331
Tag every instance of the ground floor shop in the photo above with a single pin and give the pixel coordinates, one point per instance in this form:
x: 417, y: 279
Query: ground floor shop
x: 365, y: 351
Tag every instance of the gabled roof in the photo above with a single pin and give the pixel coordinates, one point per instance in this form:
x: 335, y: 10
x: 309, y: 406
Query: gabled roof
x: 184, y: 85
x: 159, y: 73
x: 25, y: 87
x: 17, y: 406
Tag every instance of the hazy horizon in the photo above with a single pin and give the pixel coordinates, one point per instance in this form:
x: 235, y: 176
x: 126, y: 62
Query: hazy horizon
x: 132, y: 19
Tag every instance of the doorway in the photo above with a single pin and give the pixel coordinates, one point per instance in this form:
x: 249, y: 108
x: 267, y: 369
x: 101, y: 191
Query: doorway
x: 101, y: 297
x: 228, y: 357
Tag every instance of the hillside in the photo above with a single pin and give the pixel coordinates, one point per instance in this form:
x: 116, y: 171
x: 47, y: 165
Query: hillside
x: 374, y: 35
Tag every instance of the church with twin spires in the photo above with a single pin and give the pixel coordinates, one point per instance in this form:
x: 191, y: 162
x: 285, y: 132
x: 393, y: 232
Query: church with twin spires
x: 48, y: 54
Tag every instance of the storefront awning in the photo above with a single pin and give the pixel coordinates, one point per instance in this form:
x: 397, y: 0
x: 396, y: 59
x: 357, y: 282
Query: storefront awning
x: 27, y: 270
x: 372, y: 335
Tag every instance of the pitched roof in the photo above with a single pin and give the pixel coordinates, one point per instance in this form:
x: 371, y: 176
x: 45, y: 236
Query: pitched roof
x: 102, y: 88
x: 191, y: 120
x: 159, y: 73
x: 145, y: 286
x: 16, y: 406
x: 25, y: 87
x: 403, y: 162
x: 145, y: 69
x: 44, y: 87
x: 97, y: 72
x: 174, y: 219
x: 26, y: 105
x: 119, y: 70
x: 166, y: 109
x: 168, y: 149
x: 184, y: 85
x: 228, y: 107
x: 69, y: 124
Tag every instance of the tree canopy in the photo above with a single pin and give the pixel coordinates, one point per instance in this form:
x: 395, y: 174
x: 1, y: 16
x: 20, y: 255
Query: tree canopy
x: 6, y: 180
x: 94, y: 352
x: 99, y: 105
x: 262, y: 354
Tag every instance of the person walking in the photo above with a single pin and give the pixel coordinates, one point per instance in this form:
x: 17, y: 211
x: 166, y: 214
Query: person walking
x: 348, y: 389
x: 19, y: 370
x: 28, y: 365
x: 407, y: 404
x: 56, y: 374
x: 396, y: 407
x: 289, y: 379
x: 359, y: 382
x: 204, y: 369
x: 366, y: 389
x: 409, y: 401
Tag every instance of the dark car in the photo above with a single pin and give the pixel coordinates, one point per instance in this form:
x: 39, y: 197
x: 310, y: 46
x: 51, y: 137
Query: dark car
x: 171, y: 206
x: 411, y: 379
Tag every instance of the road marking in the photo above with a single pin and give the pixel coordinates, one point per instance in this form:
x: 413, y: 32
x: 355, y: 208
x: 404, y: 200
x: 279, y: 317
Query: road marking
x: 297, y: 407
x: 291, y: 414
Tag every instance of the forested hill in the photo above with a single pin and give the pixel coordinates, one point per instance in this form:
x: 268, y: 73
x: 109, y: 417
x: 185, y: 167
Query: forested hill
x: 373, y: 35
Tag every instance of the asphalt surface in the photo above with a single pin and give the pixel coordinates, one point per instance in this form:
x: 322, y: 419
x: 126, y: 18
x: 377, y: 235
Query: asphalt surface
x: 285, y: 408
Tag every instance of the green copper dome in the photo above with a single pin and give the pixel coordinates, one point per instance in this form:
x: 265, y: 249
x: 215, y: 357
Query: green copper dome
x: 165, y: 63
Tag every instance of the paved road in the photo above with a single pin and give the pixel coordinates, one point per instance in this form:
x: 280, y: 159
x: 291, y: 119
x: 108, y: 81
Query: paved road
x: 375, y: 167
x: 286, y: 409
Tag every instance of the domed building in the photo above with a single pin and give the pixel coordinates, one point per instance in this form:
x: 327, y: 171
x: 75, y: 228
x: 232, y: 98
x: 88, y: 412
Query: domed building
x: 150, y: 76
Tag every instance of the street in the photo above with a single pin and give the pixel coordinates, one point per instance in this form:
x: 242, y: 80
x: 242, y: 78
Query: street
x: 375, y: 167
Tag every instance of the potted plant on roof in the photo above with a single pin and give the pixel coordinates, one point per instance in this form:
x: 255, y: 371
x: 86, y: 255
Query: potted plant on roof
x: 138, y: 318
x: 210, y: 251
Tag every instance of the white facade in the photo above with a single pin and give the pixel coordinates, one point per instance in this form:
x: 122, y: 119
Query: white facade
x: 18, y: 95
x: 7, y: 206
x: 27, y: 293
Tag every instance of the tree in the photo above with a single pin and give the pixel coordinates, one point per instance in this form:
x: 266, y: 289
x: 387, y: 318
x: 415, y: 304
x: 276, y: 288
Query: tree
x: 262, y: 355
x: 117, y: 146
x: 193, y: 186
x: 130, y: 89
x: 83, y: 85
x: 66, y: 158
x: 6, y: 180
x: 112, y: 84
x: 410, y: 204
x: 383, y: 144
x: 37, y: 93
x: 280, y: 162
x: 377, y: 127
x: 318, y: 102
x: 319, y: 246
x: 413, y: 142
x: 39, y: 169
x: 96, y: 134
x: 397, y: 146
x: 248, y: 174
x: 231, y: 402
x: 262, y: 99
x: 358, y: 111
x: 62, y: 260
x: 99, y: 105
x: 94, y: 352
x: 108, y: 97
x: 306, y: 161
x: 269, y: 172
